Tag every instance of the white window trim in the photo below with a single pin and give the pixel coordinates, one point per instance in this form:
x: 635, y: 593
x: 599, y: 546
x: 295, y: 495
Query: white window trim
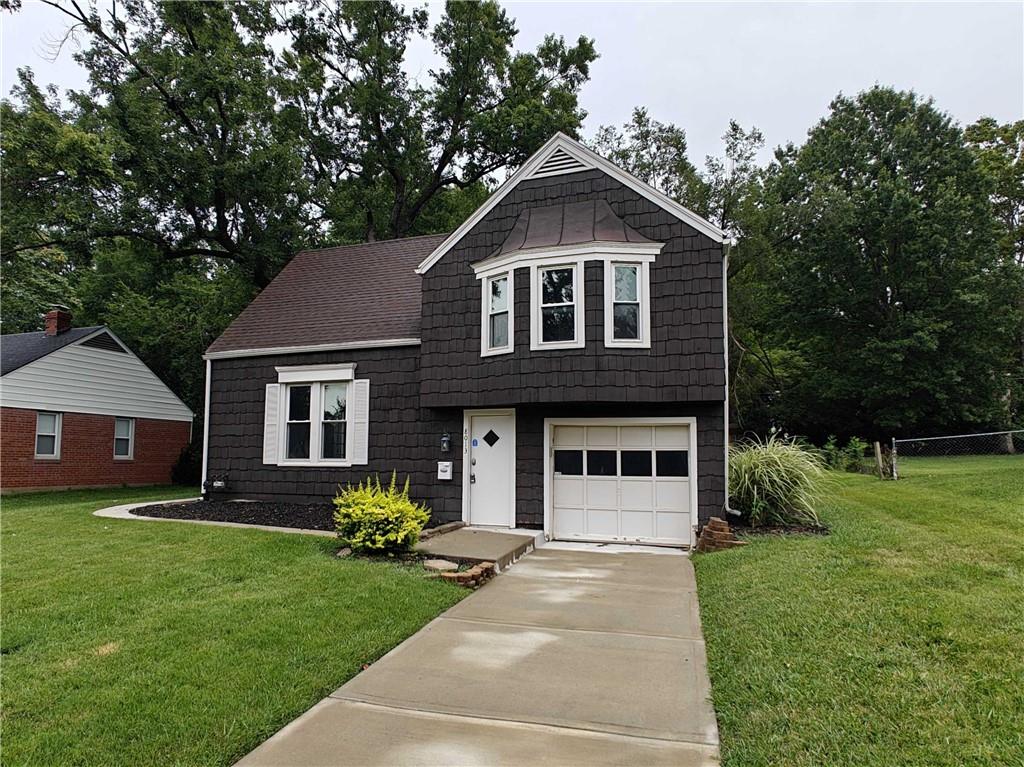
x: 579, y: 305
x: 58, y: 426
x: 485, y: 314
x: 131, y: 439
x: 643, y: 287
x: 314, y: 376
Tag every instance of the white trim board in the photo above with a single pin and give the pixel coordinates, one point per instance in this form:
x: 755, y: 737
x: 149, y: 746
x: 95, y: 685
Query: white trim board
x: 272, y: 350
x: 562, y: 143
x: 690, y: 421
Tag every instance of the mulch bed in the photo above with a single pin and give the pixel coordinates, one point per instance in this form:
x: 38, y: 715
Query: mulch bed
x: 745, y: 531
x: 306, y: 516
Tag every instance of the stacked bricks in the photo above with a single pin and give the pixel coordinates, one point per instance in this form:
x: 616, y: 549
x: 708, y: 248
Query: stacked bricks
x: 472, y: 578
x: 716, y: 536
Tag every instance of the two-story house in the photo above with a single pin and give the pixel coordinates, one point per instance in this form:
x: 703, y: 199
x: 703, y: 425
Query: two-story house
x: 557, y: 362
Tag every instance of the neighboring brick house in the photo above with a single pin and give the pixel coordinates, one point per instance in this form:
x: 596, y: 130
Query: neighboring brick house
x: 79, y: 409
x: 557, y: 362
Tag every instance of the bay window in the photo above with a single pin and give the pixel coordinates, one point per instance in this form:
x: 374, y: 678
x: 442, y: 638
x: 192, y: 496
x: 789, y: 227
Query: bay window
x: 497, y: 328
x: 627, y: 304
x: 557, y: 297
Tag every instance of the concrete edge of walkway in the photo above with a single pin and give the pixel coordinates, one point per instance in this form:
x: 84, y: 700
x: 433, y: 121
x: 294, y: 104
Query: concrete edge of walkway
x: 124, y: 511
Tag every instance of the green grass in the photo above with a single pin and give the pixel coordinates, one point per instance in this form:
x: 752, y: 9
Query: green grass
x: 897, y: 640
x: 130, y: 642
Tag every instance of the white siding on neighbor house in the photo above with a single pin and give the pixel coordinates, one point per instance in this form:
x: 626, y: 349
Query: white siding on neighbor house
x: 79, y: 379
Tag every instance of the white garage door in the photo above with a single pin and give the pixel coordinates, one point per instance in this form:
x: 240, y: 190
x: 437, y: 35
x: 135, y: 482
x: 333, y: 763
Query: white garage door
x: 621, y: 483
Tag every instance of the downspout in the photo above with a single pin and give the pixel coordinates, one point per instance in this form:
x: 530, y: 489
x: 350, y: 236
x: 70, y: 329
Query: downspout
x: 206, y: 429
x: 725, y: 349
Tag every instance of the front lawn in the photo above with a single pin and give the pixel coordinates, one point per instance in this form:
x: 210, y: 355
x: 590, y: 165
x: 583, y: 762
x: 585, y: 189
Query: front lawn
x: 134, y: 642
x: 897, y: 640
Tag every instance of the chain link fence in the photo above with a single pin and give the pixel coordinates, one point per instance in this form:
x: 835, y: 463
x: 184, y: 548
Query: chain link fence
x: 906, y: 451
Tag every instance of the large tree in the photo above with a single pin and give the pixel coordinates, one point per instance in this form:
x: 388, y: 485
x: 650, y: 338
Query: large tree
x: 887, y: 273
x: 219, y: 146
x: 387, y: 146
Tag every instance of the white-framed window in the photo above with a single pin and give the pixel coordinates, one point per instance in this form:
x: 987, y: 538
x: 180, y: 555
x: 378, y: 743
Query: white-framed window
x: 497, y: 327
x: 316, y: 415
x: 557, y: 297
x: 627, y: 304
x: 124, y: 439
x: 48, y: 426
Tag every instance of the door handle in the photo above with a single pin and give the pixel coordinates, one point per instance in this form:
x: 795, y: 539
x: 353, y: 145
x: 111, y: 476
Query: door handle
x: 472, y: 478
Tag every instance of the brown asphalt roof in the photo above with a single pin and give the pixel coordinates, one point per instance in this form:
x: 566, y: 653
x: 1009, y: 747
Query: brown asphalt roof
x: 350, y: 294
x: 571, y: 223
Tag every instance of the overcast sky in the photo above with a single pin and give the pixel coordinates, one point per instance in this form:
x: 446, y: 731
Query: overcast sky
x: 776, y: 66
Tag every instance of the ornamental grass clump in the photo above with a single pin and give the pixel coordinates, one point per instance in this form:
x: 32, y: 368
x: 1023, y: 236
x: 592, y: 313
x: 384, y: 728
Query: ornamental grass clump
x: 374, y: 518
x: 775, y: 482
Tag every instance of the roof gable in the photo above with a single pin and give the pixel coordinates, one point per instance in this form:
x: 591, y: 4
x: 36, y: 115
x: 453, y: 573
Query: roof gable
x: 80, y: 377
x: 562, y: 155
x: 19, y: 349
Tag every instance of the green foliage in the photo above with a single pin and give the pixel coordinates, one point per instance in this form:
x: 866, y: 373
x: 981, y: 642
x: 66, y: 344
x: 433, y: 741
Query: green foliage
x: 887, y: 283
x: 848, y: 458
x: 370, y: 517
x: 775, y: 481
x: 655, y: 153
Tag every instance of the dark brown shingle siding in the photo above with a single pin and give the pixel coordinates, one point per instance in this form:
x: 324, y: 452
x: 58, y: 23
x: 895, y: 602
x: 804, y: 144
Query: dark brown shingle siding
x: 686, y: 361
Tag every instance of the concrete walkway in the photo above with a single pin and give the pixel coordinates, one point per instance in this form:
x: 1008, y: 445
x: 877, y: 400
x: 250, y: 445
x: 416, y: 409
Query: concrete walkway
x: 570, y: 658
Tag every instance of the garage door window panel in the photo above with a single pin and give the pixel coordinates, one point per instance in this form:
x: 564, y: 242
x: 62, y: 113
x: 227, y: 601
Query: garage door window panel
x: 569, y: 463
x: 601, y: 463
x: 673, y: 463
x: 636, y: 463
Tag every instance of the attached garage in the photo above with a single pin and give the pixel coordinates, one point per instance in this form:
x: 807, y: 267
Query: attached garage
x: 621, y: 480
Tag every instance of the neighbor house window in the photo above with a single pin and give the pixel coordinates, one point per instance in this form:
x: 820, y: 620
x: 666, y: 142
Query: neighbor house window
x: 124, y: 437
x: 627, y: 304
x: 48, y: 435
x: 496, y: 330
x: 558, y: 307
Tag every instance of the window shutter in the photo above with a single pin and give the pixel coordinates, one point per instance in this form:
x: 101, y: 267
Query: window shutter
x: 360, y: 421
x: 270, y: 423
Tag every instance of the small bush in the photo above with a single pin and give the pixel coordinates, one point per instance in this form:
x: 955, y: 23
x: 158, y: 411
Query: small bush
x: 775, y: 482
x: 370, y: 517
x: 849, y: 458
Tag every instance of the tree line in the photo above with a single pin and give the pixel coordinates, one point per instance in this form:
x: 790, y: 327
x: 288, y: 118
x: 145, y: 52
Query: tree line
x: 876, y: 270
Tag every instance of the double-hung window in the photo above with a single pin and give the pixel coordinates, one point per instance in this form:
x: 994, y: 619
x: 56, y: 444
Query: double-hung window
x: 497, y: 328
x: 316, y: 423
x: 316, y: 415
x: 627, y: 304
x: 124, y: 438
x: 334, y: 423
x: 48, y: 435
x: 298, y: 432
x: 558, y: 307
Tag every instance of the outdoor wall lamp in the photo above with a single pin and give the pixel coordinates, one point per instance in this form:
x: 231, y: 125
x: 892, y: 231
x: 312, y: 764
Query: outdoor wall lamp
x: 446, y: 442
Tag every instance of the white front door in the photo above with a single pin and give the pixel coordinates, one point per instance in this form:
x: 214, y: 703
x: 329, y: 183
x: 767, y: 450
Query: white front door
x: 490, y: 467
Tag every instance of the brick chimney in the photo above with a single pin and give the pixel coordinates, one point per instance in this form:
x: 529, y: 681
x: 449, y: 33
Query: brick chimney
x: 58, y: 320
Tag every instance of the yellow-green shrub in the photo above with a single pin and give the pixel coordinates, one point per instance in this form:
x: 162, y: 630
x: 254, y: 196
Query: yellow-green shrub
x: 371, y: 517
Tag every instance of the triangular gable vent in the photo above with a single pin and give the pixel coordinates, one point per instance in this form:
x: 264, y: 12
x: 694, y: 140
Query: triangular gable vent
x: 104, y: 341
x: 559, y: 163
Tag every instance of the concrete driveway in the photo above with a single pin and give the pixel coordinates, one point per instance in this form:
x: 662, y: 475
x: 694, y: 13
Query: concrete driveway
x: 570, y: 658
